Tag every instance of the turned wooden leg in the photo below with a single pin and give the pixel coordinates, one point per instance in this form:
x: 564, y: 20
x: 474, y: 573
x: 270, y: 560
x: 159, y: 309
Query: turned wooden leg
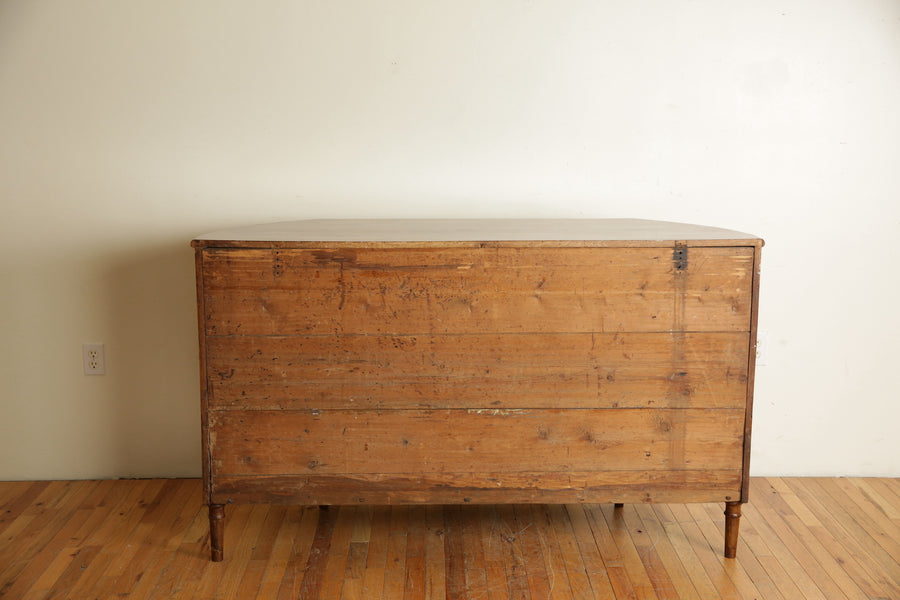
x: 732, y: 523
x: 216, y: 530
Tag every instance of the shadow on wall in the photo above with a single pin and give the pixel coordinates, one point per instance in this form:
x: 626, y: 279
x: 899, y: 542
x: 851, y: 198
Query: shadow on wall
x: 153, y: 354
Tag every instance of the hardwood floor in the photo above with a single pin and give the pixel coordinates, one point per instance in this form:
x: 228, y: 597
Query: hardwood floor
x: 800, y: 539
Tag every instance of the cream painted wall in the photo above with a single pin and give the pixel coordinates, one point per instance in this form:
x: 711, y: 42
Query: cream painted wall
x: 126, y: 128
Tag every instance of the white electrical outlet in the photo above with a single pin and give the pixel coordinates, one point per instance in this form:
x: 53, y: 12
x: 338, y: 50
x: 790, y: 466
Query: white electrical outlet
x: 94, y: 359
x: 762, y: 348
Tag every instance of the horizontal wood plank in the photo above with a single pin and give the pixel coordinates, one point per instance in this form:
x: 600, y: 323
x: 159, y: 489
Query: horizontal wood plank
x: 447, y: 441
x: 699, y: 370
x: 450, y: 291
x: 482, y: 488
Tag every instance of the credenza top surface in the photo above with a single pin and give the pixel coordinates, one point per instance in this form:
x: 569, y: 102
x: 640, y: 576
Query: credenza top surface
x: 473, y: 232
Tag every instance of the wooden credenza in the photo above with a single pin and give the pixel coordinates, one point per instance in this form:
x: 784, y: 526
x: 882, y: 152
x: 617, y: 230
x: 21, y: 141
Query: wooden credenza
x: 483, y: 361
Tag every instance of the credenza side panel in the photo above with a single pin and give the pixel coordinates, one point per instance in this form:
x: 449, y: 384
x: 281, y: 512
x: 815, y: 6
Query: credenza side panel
x: 205, y: 391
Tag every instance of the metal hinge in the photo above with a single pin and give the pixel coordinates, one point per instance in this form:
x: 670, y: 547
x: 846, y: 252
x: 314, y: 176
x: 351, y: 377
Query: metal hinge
x: 680, y: 257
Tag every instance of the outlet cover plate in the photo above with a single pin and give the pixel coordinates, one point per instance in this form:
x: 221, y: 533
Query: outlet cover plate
x: 94, y: 359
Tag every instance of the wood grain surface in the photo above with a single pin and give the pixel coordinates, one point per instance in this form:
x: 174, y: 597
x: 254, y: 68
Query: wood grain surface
x: 448, y: 441
x: 455, y: 291
x: 583, y: 370
x: 802, y: 539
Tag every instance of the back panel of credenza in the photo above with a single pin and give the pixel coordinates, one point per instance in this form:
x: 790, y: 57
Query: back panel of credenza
x: 475, y: 374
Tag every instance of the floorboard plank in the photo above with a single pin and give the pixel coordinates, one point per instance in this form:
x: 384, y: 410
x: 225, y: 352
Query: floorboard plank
x: 395, y: 566
x: 414, y: 588
x: 492, y: 546
x: 376, y: 556
x: 435, y: 578
x: 554, y: 564
x: 474, y: 564
x: 513, y: 555
x: 305, y: 523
